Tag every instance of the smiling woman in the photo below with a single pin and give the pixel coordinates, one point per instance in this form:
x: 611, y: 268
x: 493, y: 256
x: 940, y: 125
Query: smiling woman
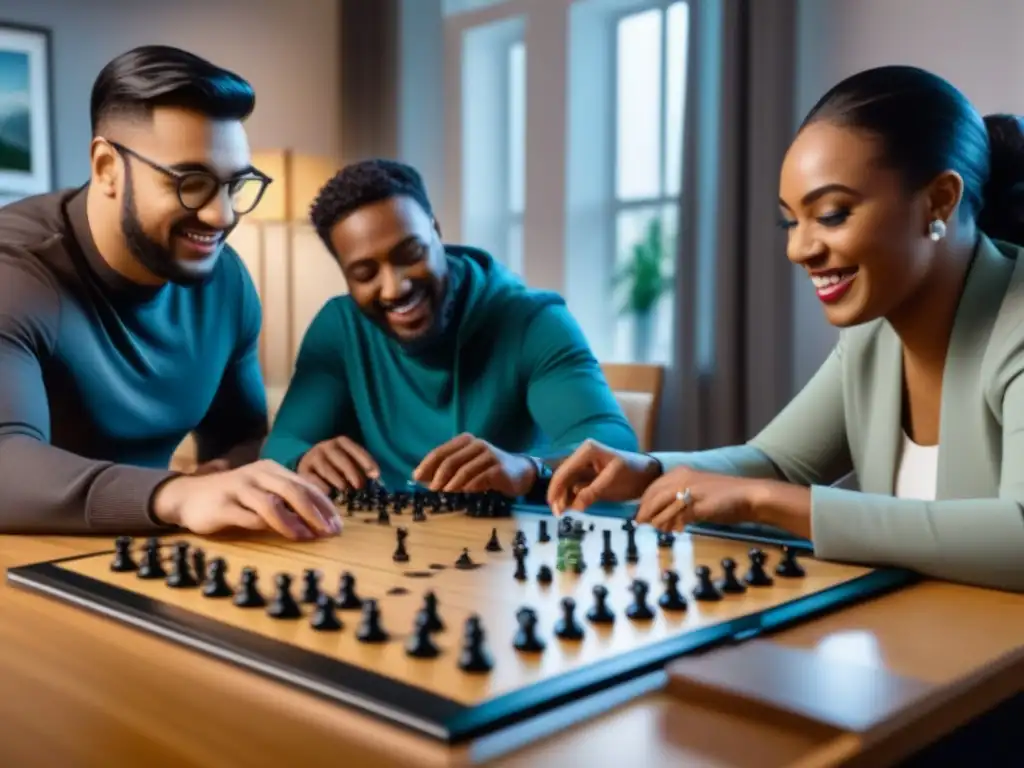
x: 893, y: 209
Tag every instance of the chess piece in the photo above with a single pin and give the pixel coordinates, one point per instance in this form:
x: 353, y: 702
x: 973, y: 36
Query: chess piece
x: 608, y: 558
x: 325, y: 618
x: 248, y: 595
x: 216, y: 584
x: 526, y: 639
x: 429, y: 612
x: 198, y: 564
x: 418, y: 515
x: 123, y: 562
x: 600, y: 613
x: 567, y: 628
x: 181, y: 573
x: 666, y: 539
x: 474, y: 656
x: 705, y: 590
x: 283, y: 606
x: 383, y: 518
x: 729, y: 583
x: 421, y: 645
x: 520, y: 555
x: 401, y: 555
x: 348, y: 600
x: 519, y: 542
x: 493, y: 545
x: 671, y: 599
x: 544, y: 575
x: 310, y: 586
x: 464, y: 563
x: 632, y: 553
x: 152, y: 566
x: 757, y: 576
x: 542, y: 533
x: 789, y: 567
x: 370, y: 629
x: 639, y: 610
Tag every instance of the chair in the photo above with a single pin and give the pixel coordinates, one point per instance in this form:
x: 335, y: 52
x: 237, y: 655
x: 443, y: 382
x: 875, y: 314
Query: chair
x: 637, y: 388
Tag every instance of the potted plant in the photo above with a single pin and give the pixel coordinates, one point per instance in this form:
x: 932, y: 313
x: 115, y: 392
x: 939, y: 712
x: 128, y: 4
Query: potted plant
x: 645, y: 279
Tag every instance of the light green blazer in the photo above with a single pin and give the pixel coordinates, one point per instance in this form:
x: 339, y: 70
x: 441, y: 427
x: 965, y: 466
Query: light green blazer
x: 848, y: 417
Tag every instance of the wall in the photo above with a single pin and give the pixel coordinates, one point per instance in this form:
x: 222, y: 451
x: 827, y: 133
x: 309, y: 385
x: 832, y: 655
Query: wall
x: 289, y: 51
x: 973, y: 43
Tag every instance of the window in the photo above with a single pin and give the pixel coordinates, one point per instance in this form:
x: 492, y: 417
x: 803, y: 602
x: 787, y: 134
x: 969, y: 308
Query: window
x: 516, y: 155
x: 650, y: 78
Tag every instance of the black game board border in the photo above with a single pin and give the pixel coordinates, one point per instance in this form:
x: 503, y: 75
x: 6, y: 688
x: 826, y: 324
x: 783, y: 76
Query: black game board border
x: 401, y: 704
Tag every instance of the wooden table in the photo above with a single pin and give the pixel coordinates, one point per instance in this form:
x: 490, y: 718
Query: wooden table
x: 79, y: 690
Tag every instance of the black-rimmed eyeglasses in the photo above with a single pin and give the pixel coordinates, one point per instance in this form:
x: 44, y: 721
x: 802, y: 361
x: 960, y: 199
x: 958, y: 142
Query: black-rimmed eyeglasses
x: 196, y: 189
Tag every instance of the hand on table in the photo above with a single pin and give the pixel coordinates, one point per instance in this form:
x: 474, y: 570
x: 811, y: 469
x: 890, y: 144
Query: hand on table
x: 258, y: 497
x: 595, y: 472
x: 683, y: 496
x: 338, y: 463
x: 470, y: 465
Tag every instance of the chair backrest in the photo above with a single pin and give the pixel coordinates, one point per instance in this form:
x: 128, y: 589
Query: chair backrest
x: 638, y: 388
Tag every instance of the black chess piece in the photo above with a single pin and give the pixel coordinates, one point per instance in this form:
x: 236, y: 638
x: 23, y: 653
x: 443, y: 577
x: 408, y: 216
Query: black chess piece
x: 639, y: 610
x: 418, y: 515
x: 325, y: 617
x: 789, y: 567
x: 152, y: 566
x: 474, y: 656
x: 544, y: 575
x: 216, y: 584
x: 567, y: 628
x: 493, y: 545
x: 123, y: 562
x: 729, y: 584
x: 666, y: 539
x: 310, y: 586
x: 429, y: 612
x: 464, y: 562
x: 519, y: 542
x: 757, y: 576
x: 283, y: 606
x: 370, y: 628
x: 671, y: 599
x: 181, y: 572
x: 608, y: 556
x: 520, y: 555
x: 542, y: 533
x: 421, y: 645
x: 248, y: 595
x: 705, y: 590
x: 526, y: 638
x: 632, y: 553
x: 600, y: 613
x: 401, y: 555
x: 348, y: 600
x: 383, y: 518
x: 198, y: 563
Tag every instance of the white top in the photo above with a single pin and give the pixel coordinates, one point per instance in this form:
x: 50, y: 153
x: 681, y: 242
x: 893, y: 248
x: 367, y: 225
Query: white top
x: 918, y: 470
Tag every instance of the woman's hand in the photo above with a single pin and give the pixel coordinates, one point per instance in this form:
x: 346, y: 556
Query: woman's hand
x: 685, y: 496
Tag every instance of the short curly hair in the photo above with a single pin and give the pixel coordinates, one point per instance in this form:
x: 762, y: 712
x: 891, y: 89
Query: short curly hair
x: 363, y: 183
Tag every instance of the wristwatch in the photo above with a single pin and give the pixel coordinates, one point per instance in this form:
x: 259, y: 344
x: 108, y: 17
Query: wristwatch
x: 543, y: 472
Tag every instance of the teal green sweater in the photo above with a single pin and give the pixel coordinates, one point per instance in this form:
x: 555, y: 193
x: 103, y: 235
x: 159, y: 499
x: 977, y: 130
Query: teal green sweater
x: 512, y: 368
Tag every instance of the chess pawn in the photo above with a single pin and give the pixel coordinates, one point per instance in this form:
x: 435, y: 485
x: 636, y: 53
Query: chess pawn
x: 474, y: 656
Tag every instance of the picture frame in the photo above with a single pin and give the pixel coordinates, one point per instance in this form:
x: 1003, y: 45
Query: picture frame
x: 26, y: 112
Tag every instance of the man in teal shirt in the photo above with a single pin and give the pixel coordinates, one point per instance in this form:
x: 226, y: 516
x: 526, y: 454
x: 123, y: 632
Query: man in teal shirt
x: 439, y: 366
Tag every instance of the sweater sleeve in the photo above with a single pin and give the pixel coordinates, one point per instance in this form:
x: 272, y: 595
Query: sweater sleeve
x: 567, y: 394
x: 44, y: 489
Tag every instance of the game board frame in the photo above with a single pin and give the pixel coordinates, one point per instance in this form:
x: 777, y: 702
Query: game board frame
x: 401, y: 704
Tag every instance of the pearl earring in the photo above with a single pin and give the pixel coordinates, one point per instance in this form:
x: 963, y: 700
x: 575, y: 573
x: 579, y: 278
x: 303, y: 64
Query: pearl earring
x: 937, y: 230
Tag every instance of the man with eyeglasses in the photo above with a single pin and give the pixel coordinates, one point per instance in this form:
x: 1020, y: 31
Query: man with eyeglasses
x: 127, y: 322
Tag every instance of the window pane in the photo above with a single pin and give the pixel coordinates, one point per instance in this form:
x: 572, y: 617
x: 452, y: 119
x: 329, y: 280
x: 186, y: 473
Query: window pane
x: 517, y: 126
x: 514, y: 247
x: 645, y: 267
x: 677, y: 23
x: 638, y: 106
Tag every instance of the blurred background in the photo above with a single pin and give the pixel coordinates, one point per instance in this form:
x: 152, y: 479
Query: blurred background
x: 622, y: 152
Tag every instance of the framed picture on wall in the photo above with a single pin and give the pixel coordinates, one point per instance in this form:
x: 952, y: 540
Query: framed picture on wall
x: 26, y: 112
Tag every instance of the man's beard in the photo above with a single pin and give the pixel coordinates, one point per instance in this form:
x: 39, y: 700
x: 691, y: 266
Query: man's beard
x: 155, y: 257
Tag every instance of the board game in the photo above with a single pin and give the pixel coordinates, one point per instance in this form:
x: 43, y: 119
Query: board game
x: 454, y: 619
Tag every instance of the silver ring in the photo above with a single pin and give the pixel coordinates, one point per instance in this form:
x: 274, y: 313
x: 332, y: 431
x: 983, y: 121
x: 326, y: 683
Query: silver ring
x: 684, y: 497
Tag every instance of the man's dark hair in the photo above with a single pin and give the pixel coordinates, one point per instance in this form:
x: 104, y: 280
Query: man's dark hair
x: 362, y: 183
x: 152, y: 76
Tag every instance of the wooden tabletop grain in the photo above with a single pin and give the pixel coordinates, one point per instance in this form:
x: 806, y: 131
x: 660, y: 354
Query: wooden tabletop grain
x: 80, y: 690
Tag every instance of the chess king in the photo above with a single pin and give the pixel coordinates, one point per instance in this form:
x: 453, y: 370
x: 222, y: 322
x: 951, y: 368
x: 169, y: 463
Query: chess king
x: 126, y: 322
x: 439, y: 365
